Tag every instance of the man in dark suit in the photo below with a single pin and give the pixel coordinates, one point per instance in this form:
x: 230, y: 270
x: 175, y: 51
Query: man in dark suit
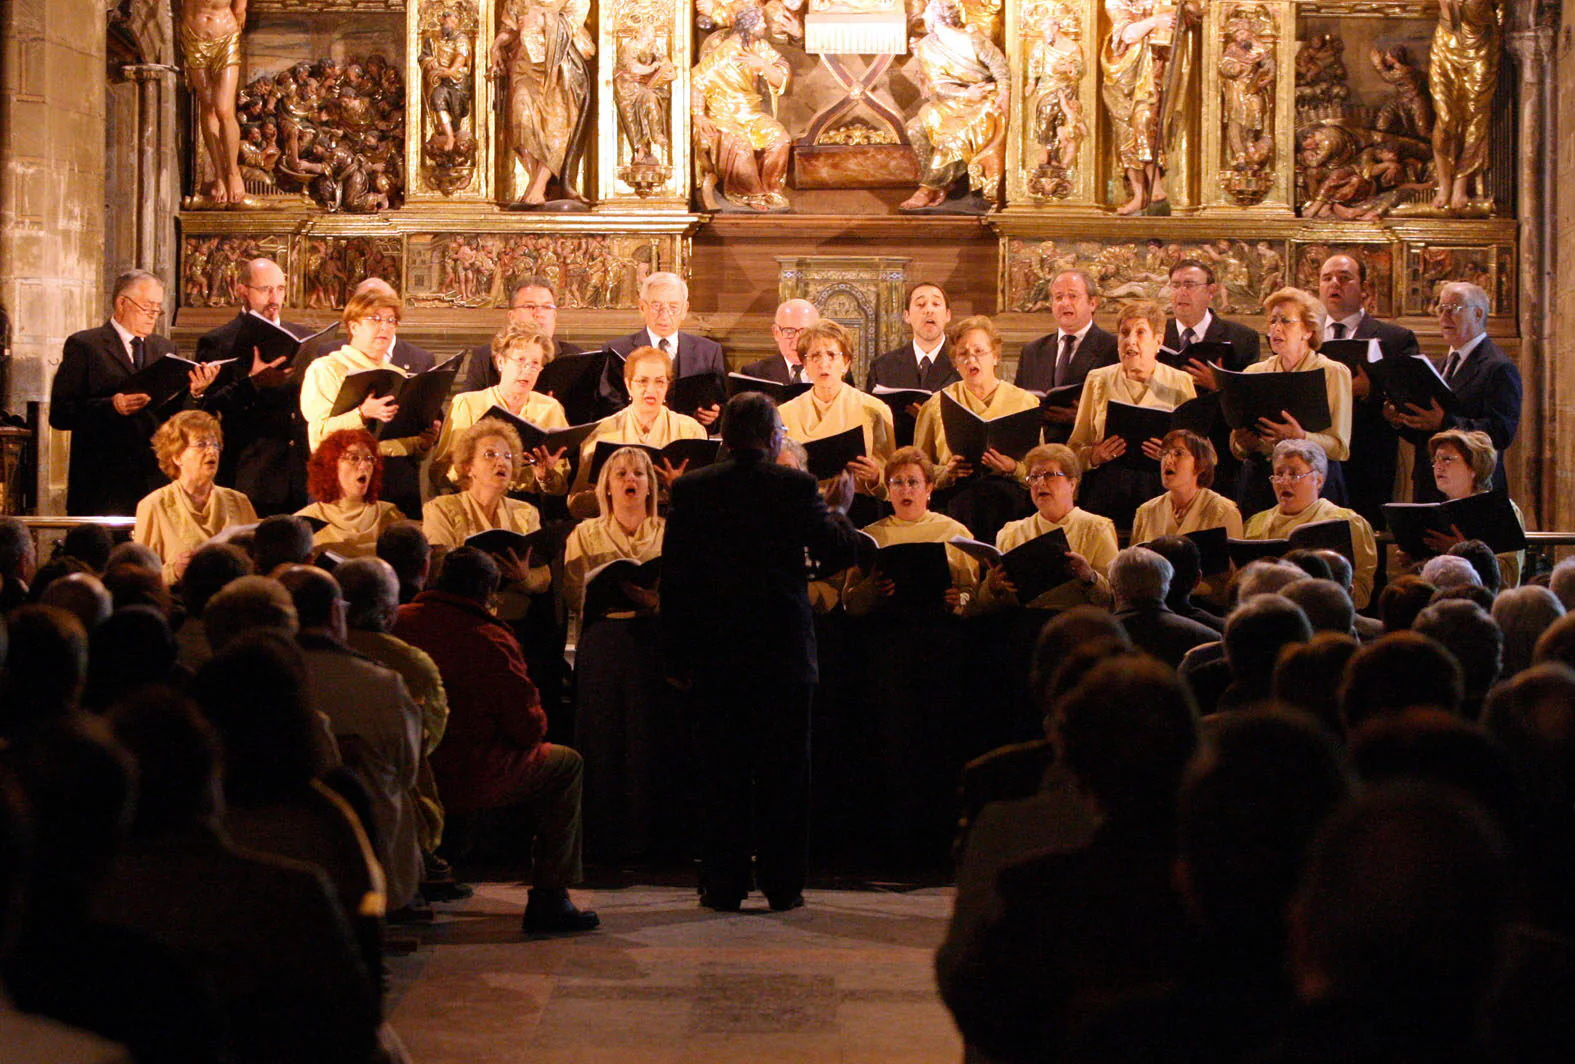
x: 1370, y: 472
x: 264, y: 440
x: 739, y: 637
x: 1141, y: 580
x: 112, y: 463
x: 533, y: 303
x: 664, y: 304
x: 1192, y: 288
x: 926, y: 361
x: 1485, y: 382
x: 1065, y: 356
x: 784, y: 367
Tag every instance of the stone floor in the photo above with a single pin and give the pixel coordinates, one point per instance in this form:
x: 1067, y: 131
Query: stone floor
x: 845, y: 980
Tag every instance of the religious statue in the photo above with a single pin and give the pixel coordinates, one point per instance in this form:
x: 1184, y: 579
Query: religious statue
x: 447, y: 61
x: 982, y: 16
x: 1147, y: 58
x: 210, y: 42
x: 738, y: 142
x: 1321, y: 74
x: 961, y: 126
x: 643, y: 90
x: 1410, y: 109
x: 1247, y: 79
x: 543, y: 52
x: 1462, y: 77
x: 1055, y: 75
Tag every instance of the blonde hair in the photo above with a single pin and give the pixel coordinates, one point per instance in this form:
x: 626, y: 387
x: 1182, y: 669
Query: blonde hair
x: 976, y: 323
x: 1146, y: 309
x: 825, y: 329
x: 1477, y: 449
x: 516, y: 335
x: 176, y: 434
x: 644, y: 354
x: 465, y: 446
x: 1059, y: 453
x: 1309, y: 312
x: 911, y: 456
x: 640, y: 457
x: 369, y: 298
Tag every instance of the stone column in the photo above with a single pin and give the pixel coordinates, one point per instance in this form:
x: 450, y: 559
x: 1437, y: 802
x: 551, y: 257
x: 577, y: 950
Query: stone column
x: 1532, y: 473
x: 157, y: 182
x: 52, y: 89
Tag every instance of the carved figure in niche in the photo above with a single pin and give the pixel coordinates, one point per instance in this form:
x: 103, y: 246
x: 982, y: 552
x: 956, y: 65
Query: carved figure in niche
x: 961, y: 125
x: 1246, y: 70
x: 1355, y: 175
x: 1462, y: 76
x: 543, y: 52
x: 1147, y: 57
x: 738, y: 142
x: 1320, y: 73
x: 1410, y: 110
x: 1055, y: 75
x: 643, y: 90
x: 446, y: 63
x: 210, y: 43
x: 1271, y: 269
x: 982, y: 16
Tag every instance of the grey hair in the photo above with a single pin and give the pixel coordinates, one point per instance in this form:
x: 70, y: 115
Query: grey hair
x: 1266, y: 577
x: 130, y: 279
x: 663, y: 277
x: 1471, y: 295
x: 1562, y: 582
x: 1140, y: 575
x: 1308, y: 451
x: 1089, y: 284
x: 371, y: 592
x: 1450, y: 570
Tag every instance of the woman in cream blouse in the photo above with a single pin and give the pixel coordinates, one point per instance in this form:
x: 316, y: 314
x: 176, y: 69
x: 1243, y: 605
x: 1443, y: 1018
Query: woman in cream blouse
x: 976, y: 352
x: 1300, y: 467
x: 1190, y: 503
x: 190, y: 510
x: 371, y: 317
x: 622, y: 727
x: 1139, y: 379
x: 1295, y: 333
x: 345, y: 475
x: 910, y: 479
x: 1053, y: 473
x: 520, y: 353
x: 646, y: 421
x: 487, y: 457
x: 832, y: 405
x: 1463, y: 464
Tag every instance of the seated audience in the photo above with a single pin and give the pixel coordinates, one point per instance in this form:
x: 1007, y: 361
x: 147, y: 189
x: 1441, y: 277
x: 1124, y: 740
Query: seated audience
x: 90, y: 544
x: 266, y: 932
x: 81, y: 594
x: 1255, y: 634
x: 1186, y: 563
x: 183, y: 515
x: 210, y: 570
x: 129, y: 584
x: 133, y: 649
x: 1396, y: 672
x: 1562, y: 582
x: 134, y: 553
x: 404, y: 546
x: 1484, y: 561
x: 45, y: 667
x: 1467, y: 631
x: 282, y: 539
x: 1300, y: 467
x: 247, y: 604
x: 493, y: 754
x: 1307, y: 677
x: 1053, y: 474
x: 345, y: 477
x: 1327, y: 606
x: 18, y: 557
x: 1311, y: 562
x: 1448, y: 571
x: 1523, y: 614
x: 1140, y: 581
x: 1401, y: 600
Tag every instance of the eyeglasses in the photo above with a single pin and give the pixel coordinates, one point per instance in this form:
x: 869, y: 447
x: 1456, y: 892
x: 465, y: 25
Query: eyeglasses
x: 1049, y: 474
x: 669, y: 308
x: 971, y: 356
x: 650, y: 382
x: 205, y: 445
x: 907, y: 482
x: 1291, y: 478
x: 1445, y: 459
x: 380, y: 319
x: 1189, y: 285
x: 358, y: 459
x: 1450, y: 309
x: 1178, y: 453
x: 822, y: 356
x: 494, y: 456
x: 153, y: 310
x: 790, y: 331
x: 523, y: 362
x: 534, y: 307
x: 1281, y: 319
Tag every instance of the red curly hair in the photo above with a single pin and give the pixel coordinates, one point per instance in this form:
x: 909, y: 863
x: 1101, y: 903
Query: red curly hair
x: 322, y: 469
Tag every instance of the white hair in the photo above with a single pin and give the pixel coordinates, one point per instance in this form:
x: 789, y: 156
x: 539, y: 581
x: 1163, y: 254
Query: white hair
x: 1471, y: 295
x: 1140, y: 575
x: 663, y: 278
x: 1308, y: 451
x: 1450, y: 570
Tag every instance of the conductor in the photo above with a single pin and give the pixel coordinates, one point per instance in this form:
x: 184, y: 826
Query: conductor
x: 739, y: 639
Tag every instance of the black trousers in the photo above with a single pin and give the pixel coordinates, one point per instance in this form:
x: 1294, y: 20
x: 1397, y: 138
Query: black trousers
x: 751, y: 747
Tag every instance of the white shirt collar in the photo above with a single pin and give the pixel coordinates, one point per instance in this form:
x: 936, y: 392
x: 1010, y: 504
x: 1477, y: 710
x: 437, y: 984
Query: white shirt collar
x: 934, y: 354
x: 1199, y: 329
x: 1350, y: 326
x: 672, y: 341
x: 126, y: 336
x: 1469, y: 346
x: 1078, y: 336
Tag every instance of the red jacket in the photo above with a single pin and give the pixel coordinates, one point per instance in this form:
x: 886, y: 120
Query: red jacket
x: 496, y: 725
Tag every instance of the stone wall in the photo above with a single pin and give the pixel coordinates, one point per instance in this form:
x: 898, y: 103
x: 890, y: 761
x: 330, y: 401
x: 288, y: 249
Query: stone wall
x: 51, y: 198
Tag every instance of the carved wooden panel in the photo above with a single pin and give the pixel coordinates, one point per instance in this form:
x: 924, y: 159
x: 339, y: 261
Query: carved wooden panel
x: 598, y: 271
x: 211, y: 266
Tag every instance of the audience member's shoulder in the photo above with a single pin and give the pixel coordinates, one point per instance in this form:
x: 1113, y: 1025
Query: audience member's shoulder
x: 36, y: 1040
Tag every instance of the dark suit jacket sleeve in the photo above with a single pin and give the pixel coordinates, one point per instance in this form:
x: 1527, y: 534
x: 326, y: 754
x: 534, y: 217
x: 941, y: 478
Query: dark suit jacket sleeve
x: 1501, y: 393
x: 829, y: 536
x: 1396, y: 340
x: 1028, y: 365
x: 709, y: 358
x: 682, y: 564
x: 1244, y: 338
x: 70, y: 404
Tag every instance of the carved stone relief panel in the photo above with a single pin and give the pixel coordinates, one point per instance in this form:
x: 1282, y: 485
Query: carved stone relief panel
x: 1429, y: 267
x: 863, y: 294
x: 1055, y: 127
x: 1378, y: 258
x: 211, y: 266
x: 1129, y: 271
x: 449, y: 68
x: 1248, y: 74
x: 331, y: 266
x: 598, y: 271
x: 644, y: 70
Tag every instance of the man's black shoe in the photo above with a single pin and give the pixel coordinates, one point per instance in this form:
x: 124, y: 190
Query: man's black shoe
x: 552, y: 912
x: 722, y: 903
x: 782, y: 905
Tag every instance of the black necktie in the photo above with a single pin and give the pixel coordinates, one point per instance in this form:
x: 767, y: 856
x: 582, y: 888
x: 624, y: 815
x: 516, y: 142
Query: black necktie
x: 1339, y: 330
x: 924, y: 367
x: 1451, y: 366
x: 1063, y: 359
x: 1186, y: 338
x: 136, y: 352
x: 796, y: 372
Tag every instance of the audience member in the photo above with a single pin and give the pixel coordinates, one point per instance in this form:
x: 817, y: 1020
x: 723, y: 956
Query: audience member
x: 81, y: 594
x: 1140, y: 580
x: 404, y: 546
x: 1473, y: 593
x: 1307, y: 677
x: 1396, y: 672
x: 1186, y: 566
x: 131, y: 650
x: 1483, y: 560
x: 1522, y: 615
x: 90, y: 544
x: 134, y: 553
x: 1401, y: 600
x: 1449, y: 570
x: 1255, y: 633
x: 1326, y: 604
x: 211, y: 569
x: 18, y: 557
x: 46, y: 665
x: 248, y: 604
x: 1467, y: 632
x: 282, y: 539
x: 1309, y: 561
x: 130, y: 584
x: 60, y: 566
x: 1562, y: 582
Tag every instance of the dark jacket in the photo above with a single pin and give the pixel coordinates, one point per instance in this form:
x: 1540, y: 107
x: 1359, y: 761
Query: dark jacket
x: 734, y: 591
x: 774, y: 368
x: 1242, y: 338
x: 695, y: 355
x: 1488, y: 388
x: 112, y: 463
x: 1370, y: 472
x: 1166, y: 635
x: 899, y: 368
x: 1036, y: 364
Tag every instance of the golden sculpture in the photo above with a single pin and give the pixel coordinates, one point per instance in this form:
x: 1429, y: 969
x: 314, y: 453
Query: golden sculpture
x: 447, y: 63
x: 642, y: 89
x: 210, y: 42
x: 961, y: 126
x: 1247, y: 73
x: 1464, y: 72
x: 983, y: 16
x: 738, y: 142
x: 543, y: 50
x: 1055, y: 74
x: 1145, y: 60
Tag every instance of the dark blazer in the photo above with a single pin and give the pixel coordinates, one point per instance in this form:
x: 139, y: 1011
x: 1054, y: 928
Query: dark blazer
x: 898, y: 368
x: 774, y: 368
x: 112, y: 463
x: 1488, y: 387
x: 264, y: 436
x: 696, y: 355
x: 734, y: 594
x: 481, y: 372
x: 1370, y: 472
x: 1242, y: 338
x: 1165, y: 634
x: 1036, y: 364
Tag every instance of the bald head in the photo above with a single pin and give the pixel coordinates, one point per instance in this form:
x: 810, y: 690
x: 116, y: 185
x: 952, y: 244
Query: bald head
x: 82, y: 595
x: 263, y: 290
x: 793, y: 317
